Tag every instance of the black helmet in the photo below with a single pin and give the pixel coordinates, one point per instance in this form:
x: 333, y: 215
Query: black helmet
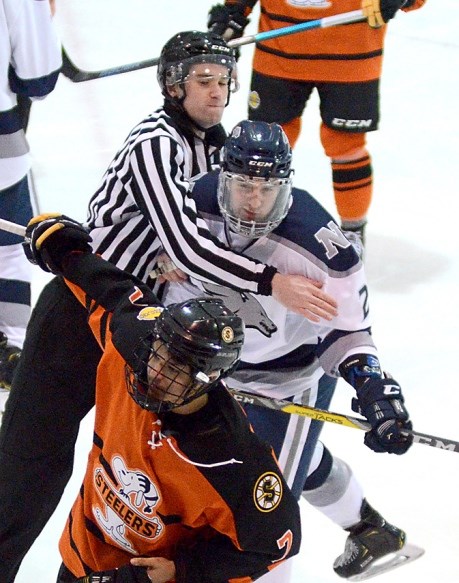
x: 193, y: 345
x: 187, y: 48
x: 256, y: 151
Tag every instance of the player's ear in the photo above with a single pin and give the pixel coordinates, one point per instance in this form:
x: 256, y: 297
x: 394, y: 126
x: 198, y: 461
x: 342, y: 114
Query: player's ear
x: 175, y: 90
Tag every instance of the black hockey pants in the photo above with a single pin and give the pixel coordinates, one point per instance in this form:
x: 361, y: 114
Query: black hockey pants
x: 53, y: 389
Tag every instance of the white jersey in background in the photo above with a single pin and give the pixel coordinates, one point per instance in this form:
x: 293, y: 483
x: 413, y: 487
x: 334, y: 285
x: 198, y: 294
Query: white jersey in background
x: 30, y: 60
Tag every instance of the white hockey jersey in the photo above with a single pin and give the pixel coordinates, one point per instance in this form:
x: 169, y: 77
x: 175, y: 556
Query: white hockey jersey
x: 284, y: 353
x: 30, y: 60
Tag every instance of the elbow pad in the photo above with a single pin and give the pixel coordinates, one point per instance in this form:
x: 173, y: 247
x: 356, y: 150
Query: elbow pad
x: 356, y: 369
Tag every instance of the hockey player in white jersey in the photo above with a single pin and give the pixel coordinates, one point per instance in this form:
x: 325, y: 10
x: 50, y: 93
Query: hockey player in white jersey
x: 30, y: 60
x: 251, y: 206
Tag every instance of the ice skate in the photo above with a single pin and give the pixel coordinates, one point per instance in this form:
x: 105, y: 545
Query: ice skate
x: 373, y: 547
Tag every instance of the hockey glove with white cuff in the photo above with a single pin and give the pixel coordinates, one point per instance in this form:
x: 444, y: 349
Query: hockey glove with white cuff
x: 380, y: 400
x: 227, y: 20
x: 379, y: 12
x: 50, y: 237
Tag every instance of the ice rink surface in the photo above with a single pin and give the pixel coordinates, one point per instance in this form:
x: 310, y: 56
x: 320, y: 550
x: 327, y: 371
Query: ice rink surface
x: 412, y: 253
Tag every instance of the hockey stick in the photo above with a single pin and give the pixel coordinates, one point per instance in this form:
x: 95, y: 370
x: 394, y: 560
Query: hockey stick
x: 77, y: 75
x: 287, y: 406
x: 336, y: 418
x: 16, y: 229
x: 10, y: 227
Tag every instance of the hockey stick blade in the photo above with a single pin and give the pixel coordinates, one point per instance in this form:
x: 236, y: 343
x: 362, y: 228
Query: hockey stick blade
x: 77, y: 75
x: 336, y: 418
x: 405, y: 555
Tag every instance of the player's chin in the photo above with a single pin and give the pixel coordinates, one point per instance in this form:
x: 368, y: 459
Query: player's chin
x: 213, y: 117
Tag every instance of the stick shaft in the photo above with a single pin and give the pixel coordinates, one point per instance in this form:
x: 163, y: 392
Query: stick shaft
x: 337, y: 19
x: 10, y: 227
x: 77, y: 75
x: 287, y: 406
x: 336, y: 418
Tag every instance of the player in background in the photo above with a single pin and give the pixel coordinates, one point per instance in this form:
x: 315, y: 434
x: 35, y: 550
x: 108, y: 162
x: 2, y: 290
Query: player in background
x: 175, y: 474
x: 30, y: 61
x: 343, y: 63
x: 142, y: 205
x: 250, y: 205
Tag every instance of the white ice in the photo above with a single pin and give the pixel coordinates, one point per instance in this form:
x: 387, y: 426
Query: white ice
x: 412, y: 252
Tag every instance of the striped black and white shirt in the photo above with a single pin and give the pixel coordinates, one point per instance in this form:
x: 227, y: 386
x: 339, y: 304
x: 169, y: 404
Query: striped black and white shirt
x: 144, y: 206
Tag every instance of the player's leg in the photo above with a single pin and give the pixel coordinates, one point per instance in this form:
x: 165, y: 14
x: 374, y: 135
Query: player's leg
x: 349, y: 111
x: 293, y: 437
x: 15, y: 277
x: 52, y: 391
x: 332, y: 488
x: 279, y: 100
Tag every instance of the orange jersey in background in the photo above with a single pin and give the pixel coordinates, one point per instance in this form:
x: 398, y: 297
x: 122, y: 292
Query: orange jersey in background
x: 343, y: 53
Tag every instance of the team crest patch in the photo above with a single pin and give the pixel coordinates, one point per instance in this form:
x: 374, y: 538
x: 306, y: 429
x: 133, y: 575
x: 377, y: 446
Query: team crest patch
x: 267, y: 492
x: 150, y: 313
x: 254, y: 100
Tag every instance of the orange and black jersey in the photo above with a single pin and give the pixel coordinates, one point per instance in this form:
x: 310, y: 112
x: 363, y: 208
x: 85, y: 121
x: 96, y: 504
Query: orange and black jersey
x: 199, y: 489
x: 346, y: 53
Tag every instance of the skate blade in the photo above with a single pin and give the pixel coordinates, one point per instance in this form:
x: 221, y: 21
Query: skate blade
x: 402, y: 557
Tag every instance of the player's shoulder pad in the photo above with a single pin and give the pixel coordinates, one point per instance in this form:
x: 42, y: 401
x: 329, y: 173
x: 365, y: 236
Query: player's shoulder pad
x: 312, y: 228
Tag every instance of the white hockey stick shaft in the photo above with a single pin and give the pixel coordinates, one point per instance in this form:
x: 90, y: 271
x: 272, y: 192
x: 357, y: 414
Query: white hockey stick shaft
x: 336, y: 418
x: 16, y: 229
x: 10, y: 227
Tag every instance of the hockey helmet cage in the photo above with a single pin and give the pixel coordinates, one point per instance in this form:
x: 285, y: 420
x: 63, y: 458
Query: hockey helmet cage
x: 256, y: 152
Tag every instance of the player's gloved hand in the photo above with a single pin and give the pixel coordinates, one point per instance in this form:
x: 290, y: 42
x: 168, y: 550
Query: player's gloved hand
x: 381, y: 401
x: 378, y: 12
x: 50, y: 237
x: 227, y: 20
x: 125, y: 574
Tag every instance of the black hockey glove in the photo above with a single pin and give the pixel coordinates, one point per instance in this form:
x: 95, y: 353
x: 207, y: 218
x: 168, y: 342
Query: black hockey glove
x: 125, y: 574
x: 227, y: 20
x: 50, y: 237
x: 380, y: 400
x: 379, y: 12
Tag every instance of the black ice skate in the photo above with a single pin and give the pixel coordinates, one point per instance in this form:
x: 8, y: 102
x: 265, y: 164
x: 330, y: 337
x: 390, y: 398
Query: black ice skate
x: 373, y: 547
x: 9, y: 356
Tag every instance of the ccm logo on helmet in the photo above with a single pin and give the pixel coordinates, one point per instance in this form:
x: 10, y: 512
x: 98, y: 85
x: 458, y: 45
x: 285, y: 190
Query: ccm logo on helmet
x: 221, y: 48
x: 262, y: 164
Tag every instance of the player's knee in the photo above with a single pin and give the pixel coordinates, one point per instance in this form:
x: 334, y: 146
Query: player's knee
x: 342, y: 146
x: 321, y: 468
x: 330, y: 483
